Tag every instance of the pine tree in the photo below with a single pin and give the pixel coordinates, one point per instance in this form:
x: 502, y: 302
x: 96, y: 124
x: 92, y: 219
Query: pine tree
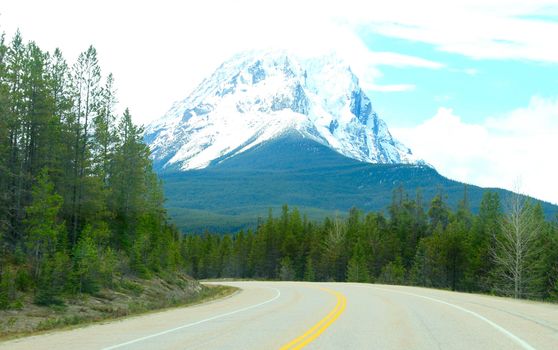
x: 130, y: 179
x: 393, y: 272
x: 455, y: 249
x: 86, y: 92
x: 56, y: 280
x: 429, y: 267
x: 43, y: 227
x: 286, y: 270
x: 87, y: 265
x: 438, y: 212
x: 16, y: 111
x: 309, y: 273
x: 463, y: 214
x: 8, y: 291
x: 357, y: 269
x: 104, y: 138
x: 4, y: 149
x: 480, y: 240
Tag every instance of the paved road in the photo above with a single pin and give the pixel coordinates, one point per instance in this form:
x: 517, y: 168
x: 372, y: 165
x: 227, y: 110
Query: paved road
x: 290, y: 315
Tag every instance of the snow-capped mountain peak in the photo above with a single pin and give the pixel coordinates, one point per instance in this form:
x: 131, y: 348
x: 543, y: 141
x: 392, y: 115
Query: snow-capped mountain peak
x: 258, y: 96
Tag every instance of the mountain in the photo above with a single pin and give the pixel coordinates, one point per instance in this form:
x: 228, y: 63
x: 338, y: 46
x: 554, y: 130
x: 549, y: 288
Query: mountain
x: 267, y: 128
x: 256, y: 97
x: 233, y: 194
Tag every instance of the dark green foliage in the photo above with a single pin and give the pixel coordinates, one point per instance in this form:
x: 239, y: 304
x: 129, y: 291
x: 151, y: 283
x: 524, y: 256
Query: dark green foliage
x: 452, y: 250
x: 7, y: 287
x: 309, y: 273
x: 55, y: 280
x: 86, y: 265
x: 232, y: 195
x: 286, y: 270
x: 393, y: 273
x: 357, y: 269
x: 79, y: 202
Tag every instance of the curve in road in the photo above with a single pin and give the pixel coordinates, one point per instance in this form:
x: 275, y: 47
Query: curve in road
x: 295, y: 315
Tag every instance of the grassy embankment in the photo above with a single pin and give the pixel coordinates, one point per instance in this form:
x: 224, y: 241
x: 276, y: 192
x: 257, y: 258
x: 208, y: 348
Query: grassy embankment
x: 130, y: 296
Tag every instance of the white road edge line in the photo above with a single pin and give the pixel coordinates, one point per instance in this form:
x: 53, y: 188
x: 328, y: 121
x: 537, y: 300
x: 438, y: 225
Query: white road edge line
x: 195, y: 323
x: 514, y: 337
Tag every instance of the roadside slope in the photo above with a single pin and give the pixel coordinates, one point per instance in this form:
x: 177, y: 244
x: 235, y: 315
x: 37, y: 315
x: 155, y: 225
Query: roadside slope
x: 129, y: 296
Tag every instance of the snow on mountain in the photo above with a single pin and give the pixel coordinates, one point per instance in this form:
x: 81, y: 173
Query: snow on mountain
x: 259, y: 96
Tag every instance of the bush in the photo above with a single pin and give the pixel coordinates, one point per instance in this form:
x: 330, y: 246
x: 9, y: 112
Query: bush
x: 393, y: 272
x: 286, y: 271
x: 7, y: 287
x: 54, y: 280
x: 87, y: 266
x: 23, y: 280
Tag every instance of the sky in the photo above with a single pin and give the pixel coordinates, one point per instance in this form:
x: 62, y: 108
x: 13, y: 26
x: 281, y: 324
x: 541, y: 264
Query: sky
x: 470, y: 86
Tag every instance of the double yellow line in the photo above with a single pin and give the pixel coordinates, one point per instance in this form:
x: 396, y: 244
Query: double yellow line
x: 321, y: 326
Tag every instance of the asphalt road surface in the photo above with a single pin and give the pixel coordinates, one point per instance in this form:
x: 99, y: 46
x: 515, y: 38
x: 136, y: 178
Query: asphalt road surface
x: 291, y: 315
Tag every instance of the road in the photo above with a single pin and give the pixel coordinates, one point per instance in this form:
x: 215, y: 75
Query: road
x: 295, y: 315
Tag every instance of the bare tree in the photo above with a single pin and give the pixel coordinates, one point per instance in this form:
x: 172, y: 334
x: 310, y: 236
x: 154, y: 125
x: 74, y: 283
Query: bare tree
x: 333, y: 248
x: 336, y: 235
x: 516, y: 248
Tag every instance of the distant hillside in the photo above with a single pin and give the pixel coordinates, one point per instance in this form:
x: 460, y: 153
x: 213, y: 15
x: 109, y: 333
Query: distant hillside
x: 294, y: 170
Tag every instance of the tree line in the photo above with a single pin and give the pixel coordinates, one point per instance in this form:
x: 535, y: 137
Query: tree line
x: 79, y: 202
x: 504, y: 249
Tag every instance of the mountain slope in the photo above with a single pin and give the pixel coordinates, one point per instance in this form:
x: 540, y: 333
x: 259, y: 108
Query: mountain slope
x: 260, y: 96
x: 297, y: 171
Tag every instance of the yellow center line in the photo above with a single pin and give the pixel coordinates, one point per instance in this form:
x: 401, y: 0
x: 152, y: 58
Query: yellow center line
x: 315, y: 331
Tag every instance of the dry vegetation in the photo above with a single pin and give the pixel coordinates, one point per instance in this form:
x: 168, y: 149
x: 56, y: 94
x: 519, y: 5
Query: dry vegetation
x: 131, y: 296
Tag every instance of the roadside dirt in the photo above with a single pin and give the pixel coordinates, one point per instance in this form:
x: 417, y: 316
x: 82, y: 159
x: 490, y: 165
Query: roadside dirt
x: 131, y: 296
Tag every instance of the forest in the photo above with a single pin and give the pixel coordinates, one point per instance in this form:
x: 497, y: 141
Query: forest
x: 508, y: 248
x: 80, y: 206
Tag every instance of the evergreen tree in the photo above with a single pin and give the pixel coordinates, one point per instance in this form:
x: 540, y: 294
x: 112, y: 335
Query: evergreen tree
x: 309, y: 273
x: 103, y: 123
x: 357, y: 269
x: 86, y: 262
x: 55, y: 280
x: 131, y: 175
x: 438, y: 212
x: 393, y: 272
x: 486, y: 226
x: 455, y: 250
x: 43, y: 227
x: 286, y: 270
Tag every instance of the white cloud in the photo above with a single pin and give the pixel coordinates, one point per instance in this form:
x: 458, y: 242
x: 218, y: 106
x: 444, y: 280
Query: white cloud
x: 471, y: 71
x: 399, y: 60
x: 389, y: 88
x: 518, y: 144
x: 159, y: 51
x: 481, y: 29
